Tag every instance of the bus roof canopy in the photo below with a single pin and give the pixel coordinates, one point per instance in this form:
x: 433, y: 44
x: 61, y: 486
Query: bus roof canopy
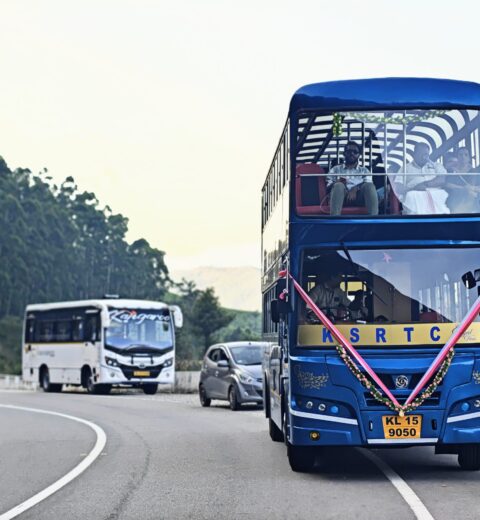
x: 100, y: 304
x: 386, y: 93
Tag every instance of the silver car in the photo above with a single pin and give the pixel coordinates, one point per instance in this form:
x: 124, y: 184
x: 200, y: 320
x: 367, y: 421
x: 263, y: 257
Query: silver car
x: 232, y: 372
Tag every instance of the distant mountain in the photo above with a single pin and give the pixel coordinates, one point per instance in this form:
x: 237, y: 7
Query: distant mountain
x: 236, y: 287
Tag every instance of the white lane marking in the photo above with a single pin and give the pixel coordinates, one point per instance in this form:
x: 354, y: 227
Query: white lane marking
x: 63, y: 481
x: 410, y: 497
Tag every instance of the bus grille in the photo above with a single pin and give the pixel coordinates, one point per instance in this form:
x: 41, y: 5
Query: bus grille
x: 129, y: 370
x: 433, y: 400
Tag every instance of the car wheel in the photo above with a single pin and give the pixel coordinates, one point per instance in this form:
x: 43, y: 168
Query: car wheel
x: 205, y: 401
x: 301, y: 458
x: 469, y: 457
x: 150, y: 389
x: 233, y: 399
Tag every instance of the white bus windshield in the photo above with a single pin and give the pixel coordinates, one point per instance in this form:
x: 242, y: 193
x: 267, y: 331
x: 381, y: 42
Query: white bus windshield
x: 139, y: 330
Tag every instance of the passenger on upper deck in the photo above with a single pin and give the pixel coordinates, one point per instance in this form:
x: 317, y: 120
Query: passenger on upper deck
x: 464, y: 190
x: 345, y: 183
x: 420, y: 188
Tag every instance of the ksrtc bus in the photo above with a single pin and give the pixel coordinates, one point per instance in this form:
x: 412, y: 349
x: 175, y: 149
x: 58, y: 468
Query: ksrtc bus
x: 370, y: 259
x: 100, y: 343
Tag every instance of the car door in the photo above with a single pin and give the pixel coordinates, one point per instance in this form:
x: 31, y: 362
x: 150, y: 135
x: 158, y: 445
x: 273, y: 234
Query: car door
x: 209, y: 368
x: 224, y: 374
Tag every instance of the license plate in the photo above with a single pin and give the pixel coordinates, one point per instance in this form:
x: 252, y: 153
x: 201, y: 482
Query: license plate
x: 141, y: 373
x: 407, y: 427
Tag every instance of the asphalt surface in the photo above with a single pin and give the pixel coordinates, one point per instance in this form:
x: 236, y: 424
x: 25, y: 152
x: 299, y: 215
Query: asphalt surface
x: 168, y: 458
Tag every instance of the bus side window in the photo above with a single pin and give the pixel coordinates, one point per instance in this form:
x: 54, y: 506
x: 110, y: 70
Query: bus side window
x: 29, y: 330
x: 45, y: 331
x: 77, y: 329
x: 92, y: 332
x: 63, y: 330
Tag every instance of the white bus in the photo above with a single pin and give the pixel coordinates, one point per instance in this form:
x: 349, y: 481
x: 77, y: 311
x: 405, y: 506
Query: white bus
x: 100, y: 343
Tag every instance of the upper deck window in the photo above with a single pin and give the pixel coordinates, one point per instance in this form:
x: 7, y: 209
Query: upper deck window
x: 410, y: 162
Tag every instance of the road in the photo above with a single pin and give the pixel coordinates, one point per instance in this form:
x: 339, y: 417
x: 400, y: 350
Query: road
x: 165, y: 457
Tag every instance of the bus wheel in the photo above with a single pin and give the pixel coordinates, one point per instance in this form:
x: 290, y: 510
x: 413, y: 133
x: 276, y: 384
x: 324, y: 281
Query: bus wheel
x: 45, y: 382
x: 469, y: 457
x: 150, y: 388
x: 204, y: 399
x: 91, y: 387
x: 275, y: 432
x: 301, y: 458
x: 233, y: 399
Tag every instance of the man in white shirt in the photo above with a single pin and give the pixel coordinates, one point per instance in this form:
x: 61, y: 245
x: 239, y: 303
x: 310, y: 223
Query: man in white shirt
x: 351, y: 182
x: 424, y: 168
x: 421, y: 188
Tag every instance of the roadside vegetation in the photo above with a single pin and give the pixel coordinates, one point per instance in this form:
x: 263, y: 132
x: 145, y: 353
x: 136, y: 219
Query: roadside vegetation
x: 58, y: 243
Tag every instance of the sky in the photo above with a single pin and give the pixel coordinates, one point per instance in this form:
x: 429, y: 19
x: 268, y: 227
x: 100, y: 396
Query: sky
x: 170, y: 112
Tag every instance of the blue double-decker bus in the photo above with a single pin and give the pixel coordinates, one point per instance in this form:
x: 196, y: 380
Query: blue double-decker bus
x: 370, y: 264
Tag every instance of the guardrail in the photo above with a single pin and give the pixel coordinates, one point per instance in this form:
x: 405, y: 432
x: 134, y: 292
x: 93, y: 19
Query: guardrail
x: 185, y: 382
x: 14, y: 382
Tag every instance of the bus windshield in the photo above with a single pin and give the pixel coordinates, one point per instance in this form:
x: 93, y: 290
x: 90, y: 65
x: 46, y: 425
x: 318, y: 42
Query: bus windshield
x: 139, y: 330
x: 402, y: 162
x: 390, y: 286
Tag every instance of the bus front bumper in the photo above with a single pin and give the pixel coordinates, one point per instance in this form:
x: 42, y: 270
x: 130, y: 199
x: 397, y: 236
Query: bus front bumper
x: 338, y: 431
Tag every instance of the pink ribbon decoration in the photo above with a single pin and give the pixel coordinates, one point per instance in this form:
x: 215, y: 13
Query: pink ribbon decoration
x: 450, y: 344
x: 340, y: 338
x: 456, y: 335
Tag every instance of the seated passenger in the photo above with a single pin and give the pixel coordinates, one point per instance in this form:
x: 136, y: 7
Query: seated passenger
x: 354, y: 189
x: 464, y: 190
x: 334, y: 302
x: 421, y: 189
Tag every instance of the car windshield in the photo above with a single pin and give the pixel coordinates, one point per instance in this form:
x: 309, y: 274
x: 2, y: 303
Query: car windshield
x: 139, y: 330
x: 247, y: 355
x: 390, y: 288
x: 402, y: 162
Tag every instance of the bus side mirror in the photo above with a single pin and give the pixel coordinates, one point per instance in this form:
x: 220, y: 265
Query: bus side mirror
x: 470, y: 280
x: 278, y: 309
x: 177, y: 316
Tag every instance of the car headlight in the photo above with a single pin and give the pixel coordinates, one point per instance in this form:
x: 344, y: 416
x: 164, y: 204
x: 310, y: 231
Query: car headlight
x: 111, y: 362
x: 245, y: 378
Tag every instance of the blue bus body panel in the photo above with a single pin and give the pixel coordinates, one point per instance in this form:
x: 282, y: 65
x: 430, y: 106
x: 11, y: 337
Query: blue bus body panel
x: 388, y: 93
x: 356, y: 419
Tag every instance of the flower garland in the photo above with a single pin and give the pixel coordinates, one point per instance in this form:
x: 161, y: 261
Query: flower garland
x: 337, y: 127
x: 378, y: 396
x: 399, y: 120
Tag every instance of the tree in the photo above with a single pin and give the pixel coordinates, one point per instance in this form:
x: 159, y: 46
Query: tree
x: 208, y: 316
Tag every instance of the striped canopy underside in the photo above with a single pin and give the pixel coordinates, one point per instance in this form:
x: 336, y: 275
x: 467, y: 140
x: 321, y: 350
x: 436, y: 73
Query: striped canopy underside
x: 316, y: 142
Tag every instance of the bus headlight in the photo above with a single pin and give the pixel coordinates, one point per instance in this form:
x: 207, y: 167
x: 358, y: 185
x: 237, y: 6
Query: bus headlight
x: 168, y: 363
x: 111, y: 362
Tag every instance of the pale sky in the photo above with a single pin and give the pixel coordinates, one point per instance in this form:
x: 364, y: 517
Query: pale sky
x: 170, y: 111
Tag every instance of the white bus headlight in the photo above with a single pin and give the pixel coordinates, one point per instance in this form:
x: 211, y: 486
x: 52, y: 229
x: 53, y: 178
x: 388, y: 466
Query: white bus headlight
x: 111, y: 362
x: 168, y: 363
